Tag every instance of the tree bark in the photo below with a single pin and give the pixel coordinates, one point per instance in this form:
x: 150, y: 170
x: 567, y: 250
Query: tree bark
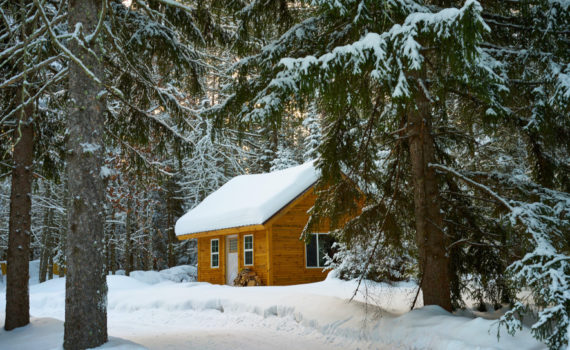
x: 47, y: 240
x: 86, y: 287
x: 50, y: 268
x: 112, y: 252
x: 171, y: 259
x: 434, y: 262
x: 128, y: 237
x: 20, y: 220
x: 18, y: 271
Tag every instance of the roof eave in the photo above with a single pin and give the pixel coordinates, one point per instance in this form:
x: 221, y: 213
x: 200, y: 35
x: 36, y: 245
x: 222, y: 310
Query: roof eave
x: 221, y: 232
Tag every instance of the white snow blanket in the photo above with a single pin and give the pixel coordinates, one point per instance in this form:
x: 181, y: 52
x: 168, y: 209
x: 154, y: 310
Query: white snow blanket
x: 146, y: 311
x: 248, y: 200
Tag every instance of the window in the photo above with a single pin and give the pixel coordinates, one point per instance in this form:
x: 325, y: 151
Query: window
x: 233, y: 245
x: 214, y: 253
x: 319, y: 245
x: 248, y: 250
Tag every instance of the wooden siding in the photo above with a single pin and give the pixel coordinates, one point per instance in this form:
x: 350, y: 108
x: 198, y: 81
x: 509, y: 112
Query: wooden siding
x: 259, y: 254
x: 218, y: 275
x: 205, y: 272
x: 288, y: 254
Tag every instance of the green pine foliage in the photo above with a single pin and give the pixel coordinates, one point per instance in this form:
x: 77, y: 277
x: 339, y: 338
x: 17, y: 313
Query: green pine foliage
x: 496, y: 78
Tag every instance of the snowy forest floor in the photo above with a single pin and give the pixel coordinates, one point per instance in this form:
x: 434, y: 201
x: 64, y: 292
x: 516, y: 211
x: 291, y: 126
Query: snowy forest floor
x: 164, y: 311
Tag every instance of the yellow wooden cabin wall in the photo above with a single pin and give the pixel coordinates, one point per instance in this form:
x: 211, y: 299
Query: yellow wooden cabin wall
x: 218, y: 275
x: 205, y: 272
x: 288, y: 254
x: 259, y: 254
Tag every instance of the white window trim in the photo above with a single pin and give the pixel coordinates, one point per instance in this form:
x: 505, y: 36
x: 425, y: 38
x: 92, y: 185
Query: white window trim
x: 214, y: 253
x: 317, y: 234
x: 248, y: 250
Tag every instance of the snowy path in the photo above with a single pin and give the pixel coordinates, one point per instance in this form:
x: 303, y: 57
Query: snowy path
x: 47, y: 333
x: 160, y: 314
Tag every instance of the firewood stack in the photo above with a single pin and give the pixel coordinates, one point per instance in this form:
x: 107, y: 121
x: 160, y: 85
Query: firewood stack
x: 247, y: 278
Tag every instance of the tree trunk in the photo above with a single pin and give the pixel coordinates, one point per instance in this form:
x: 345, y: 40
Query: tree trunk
x: 20, y: 220
x: 112, y: 252
x: 50, y: 268
x: 18, y: 271
x: 46, y: 249
x: 148, y: 251
x: 434, y: 263
x: 86, y: 286
x: 128, y: 238
x: 171, y: 259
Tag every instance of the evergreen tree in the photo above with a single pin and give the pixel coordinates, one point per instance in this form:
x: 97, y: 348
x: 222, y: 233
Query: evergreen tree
x: 312, y: 123
x: 284, y: 159
x: 86, y: 285
x: 17, y: 292
x: 409, y: 93
x: 530, y: 39
x: 393, y: 95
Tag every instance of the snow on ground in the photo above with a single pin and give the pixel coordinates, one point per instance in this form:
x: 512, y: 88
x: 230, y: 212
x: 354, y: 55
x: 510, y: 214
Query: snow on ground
x: 162, y: 310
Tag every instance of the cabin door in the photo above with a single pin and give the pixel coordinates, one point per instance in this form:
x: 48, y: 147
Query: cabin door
x: 231, y: 259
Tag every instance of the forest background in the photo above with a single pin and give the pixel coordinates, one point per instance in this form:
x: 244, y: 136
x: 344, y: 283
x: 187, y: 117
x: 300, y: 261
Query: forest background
x: 449, y: 119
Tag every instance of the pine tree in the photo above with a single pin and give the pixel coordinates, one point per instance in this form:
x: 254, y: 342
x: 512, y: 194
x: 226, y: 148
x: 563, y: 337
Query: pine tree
x: 17, y: 292
x: 283, y: 159
x: 530, y: 41
x: 312, y: 123
x: 375, y: 86
x: 86, y: 286
x: 30, y: 75
x: 424, y: 95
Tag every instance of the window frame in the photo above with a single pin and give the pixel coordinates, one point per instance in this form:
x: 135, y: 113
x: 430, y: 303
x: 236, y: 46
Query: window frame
x: 212, y: 253
x: 317, y: 234
x: 245, y: 251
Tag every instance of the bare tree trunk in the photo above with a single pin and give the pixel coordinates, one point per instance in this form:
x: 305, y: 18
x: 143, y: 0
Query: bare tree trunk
x: 46, y: 249
x: 147, y: 251
x: 61, y: 266
x: 170, y: 230
x: 430, y: 238
x: 112, y: 252
x: 20, y: 221
x: 50, y: 268
x: 18, y: 271
x: 86, y: 286
x: 128, y: 237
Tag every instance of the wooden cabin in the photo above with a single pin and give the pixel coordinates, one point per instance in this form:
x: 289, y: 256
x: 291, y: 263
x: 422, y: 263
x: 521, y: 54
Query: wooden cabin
x: 255, y: 222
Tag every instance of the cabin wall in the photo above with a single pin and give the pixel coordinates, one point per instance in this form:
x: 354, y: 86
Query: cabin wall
x: 218, y: 275
x: 288, y: 257
x: 259, y: 254
x: 205, y: 272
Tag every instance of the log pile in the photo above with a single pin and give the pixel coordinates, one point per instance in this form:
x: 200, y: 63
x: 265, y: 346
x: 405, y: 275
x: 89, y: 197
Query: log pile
x: 247, y: 278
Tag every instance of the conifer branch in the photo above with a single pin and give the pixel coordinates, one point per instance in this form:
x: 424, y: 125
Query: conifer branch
x: 31, y: 70
x: 473, y: 183
x: 92, y: 36
x: 62, y: 47
x: 56, y: 78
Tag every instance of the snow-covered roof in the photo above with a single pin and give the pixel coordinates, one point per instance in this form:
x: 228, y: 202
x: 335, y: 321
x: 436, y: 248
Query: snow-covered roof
x: 248, y: 200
